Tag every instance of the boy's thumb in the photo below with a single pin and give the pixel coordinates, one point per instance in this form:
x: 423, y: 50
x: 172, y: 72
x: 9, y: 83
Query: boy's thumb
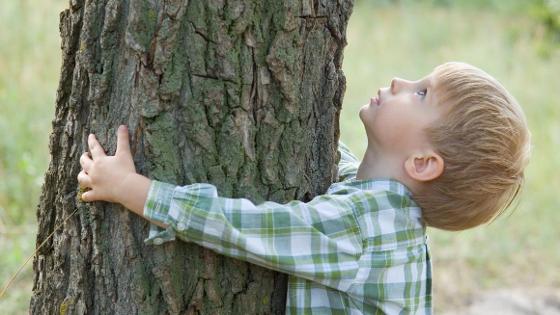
x: 123, y: 146
x: 88, y: 196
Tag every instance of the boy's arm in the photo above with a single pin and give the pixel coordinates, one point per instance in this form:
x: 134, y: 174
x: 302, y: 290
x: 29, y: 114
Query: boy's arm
x: 319, y: 240
x: 348, y: 164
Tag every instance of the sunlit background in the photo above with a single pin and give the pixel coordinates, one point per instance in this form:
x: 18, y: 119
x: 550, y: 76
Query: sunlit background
x: 518, y: 42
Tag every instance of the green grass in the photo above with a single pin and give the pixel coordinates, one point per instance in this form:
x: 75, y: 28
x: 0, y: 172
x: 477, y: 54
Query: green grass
x: 385, y: 40
x: 29, y: 70
x: 408, y: 41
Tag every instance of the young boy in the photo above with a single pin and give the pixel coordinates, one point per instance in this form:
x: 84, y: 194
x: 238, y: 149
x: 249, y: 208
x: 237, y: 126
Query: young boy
x: 446, y: 151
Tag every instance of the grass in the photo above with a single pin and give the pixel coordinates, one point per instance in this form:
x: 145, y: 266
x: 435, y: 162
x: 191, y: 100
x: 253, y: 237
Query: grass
x: 385, y: 40
x: 29, y: 67
x: 29, y: 70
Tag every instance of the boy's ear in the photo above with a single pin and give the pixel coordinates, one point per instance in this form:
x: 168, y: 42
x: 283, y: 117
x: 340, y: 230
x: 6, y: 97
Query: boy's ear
x: 424, y: 166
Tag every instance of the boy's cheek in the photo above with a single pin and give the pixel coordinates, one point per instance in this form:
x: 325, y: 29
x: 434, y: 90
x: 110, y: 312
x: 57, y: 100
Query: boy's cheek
x: 391, y: 132
x: 389, y: 129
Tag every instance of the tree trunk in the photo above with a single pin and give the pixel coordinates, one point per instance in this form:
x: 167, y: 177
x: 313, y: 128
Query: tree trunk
x: 245, y: 95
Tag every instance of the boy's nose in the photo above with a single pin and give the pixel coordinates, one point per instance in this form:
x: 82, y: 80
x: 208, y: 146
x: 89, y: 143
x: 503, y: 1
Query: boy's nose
x: 397, y: 84
x: 394, y: 84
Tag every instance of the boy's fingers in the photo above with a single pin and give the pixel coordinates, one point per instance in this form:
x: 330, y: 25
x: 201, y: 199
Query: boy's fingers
x: 84, y: 180
x: 89, y: 196
x: 123, y: 146
x: 95, y: 148
x: 85, y: 162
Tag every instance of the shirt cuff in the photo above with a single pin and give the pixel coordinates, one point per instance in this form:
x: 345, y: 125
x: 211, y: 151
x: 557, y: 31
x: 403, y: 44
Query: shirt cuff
x: 156, y: 209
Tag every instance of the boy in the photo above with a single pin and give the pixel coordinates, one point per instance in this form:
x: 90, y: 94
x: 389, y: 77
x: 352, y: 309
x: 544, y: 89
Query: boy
x: 446, y: 151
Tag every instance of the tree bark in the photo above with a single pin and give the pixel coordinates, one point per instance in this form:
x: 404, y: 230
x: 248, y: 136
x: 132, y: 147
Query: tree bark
x: 245, y: 95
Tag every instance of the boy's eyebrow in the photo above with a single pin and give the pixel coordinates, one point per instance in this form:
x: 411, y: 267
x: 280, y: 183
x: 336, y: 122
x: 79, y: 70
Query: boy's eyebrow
x: 432, y: 81
x: 430, y: 85
x: 427, y: 79
x: 435, y: 95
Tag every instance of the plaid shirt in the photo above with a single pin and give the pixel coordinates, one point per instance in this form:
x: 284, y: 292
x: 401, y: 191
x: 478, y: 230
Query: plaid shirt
x: 358, y: 249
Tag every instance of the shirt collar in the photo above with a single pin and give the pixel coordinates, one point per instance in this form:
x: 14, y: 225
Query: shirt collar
x: 390, y: 184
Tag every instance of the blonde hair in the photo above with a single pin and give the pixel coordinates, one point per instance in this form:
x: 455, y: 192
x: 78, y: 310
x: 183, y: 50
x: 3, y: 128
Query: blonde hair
x: 485, y: 143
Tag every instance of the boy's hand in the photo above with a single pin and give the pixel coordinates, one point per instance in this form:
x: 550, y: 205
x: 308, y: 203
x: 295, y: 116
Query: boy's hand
x: 106, y: 175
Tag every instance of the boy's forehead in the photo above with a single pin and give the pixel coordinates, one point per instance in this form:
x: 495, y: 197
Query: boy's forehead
x: 432, y: 80
x: 432, y: 77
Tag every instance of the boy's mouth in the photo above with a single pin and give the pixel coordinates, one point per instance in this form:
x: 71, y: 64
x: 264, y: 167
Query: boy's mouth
x: 374, y: 101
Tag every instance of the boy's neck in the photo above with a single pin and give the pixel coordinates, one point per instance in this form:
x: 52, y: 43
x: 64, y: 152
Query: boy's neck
x: 380, y: 165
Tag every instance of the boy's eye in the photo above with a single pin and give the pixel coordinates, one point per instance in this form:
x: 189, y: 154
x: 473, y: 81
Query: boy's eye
x: 422, y: 92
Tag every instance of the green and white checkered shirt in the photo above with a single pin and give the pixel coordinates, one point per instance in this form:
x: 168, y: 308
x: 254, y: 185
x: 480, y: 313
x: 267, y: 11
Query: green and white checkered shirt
x: 358, y: 249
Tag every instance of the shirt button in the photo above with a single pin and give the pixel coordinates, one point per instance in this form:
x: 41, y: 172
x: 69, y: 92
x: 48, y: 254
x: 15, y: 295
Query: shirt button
x: 158, y: 241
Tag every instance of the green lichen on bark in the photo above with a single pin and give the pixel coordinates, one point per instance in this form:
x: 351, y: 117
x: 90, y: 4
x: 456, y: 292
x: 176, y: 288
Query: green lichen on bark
x: 142, y: 23
x: 161, y: 148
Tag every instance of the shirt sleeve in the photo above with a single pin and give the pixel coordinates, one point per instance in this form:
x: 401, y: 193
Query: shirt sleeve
x: 319, y: 240
x: 348, y: 164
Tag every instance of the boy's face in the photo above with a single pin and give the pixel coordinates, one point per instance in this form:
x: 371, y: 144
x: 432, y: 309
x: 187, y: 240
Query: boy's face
x: 395, y: 118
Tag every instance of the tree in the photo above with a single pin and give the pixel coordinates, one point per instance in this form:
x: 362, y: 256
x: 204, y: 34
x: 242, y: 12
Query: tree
x: 245, y: 95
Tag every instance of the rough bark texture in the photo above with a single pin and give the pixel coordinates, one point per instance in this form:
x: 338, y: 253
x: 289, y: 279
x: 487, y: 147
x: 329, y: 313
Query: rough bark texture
x: 245, y: 95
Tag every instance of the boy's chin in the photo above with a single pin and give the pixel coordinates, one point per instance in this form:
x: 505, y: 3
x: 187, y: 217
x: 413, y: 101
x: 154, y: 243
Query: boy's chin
x: 361, y: 113
x: 364, y: 111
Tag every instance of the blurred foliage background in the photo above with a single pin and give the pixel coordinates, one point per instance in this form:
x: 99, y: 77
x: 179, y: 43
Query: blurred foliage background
x: 516, y: 41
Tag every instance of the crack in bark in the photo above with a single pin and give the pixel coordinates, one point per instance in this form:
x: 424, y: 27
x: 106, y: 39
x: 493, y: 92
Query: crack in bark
x: 201, y: 34
x: 206, y: 76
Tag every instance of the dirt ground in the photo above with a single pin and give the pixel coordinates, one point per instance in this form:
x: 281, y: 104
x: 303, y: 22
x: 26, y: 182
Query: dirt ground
x: 541, y: 301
